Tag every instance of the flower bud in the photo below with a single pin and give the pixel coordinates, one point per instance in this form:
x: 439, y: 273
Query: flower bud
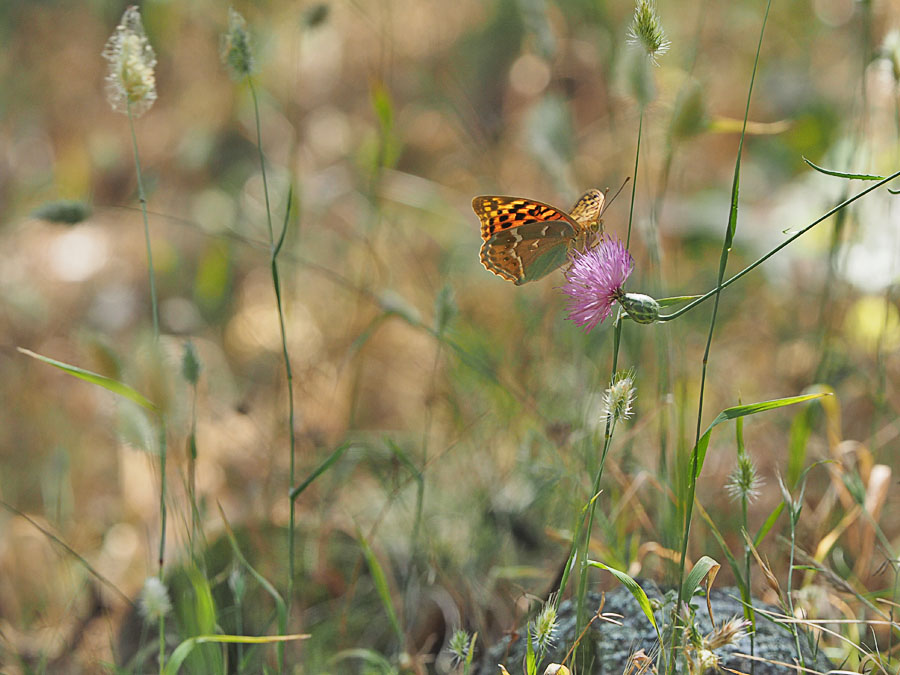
x: 641, y: 308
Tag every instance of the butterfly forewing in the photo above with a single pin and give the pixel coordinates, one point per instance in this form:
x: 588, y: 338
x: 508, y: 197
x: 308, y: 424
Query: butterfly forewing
x: 502, y: 213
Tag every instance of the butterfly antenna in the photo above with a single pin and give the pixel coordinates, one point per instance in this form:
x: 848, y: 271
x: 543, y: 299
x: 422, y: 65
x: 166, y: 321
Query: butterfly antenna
x: 607, y: 202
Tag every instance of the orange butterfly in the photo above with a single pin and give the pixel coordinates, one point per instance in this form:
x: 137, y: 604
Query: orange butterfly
x: 525, y: 240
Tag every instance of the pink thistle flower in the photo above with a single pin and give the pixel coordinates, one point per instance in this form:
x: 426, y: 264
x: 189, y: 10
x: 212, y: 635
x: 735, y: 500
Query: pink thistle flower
x: 594, y: 281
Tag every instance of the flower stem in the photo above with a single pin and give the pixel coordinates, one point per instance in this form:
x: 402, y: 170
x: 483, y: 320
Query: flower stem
x: 143, y: 199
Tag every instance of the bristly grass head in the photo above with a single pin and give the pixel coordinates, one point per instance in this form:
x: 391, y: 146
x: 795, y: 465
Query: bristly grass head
x: 459, y: 647
x: 130, y: 82
x: 744, y: 481
x: 543, y: 628
x: 236, y: 50
x: 619, y: 397
x: 646, y: 30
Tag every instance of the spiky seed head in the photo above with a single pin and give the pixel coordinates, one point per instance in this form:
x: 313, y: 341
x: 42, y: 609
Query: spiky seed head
x: 619, y: 397
x: 646, y: 30
x: 130, y: 80
x: 731, y: 632
x: 543, y: 628
x: 744, y: 482
x: 236, y: 48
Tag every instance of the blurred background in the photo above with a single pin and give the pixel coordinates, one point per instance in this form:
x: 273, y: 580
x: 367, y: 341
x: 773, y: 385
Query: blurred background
x: 469, y: 407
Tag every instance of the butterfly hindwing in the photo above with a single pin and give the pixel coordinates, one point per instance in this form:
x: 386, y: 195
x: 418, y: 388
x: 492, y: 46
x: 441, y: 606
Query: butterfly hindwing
x: 527, y: 252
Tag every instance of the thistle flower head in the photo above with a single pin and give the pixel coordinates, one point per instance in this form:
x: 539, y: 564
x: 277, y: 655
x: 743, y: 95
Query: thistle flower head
x: 646, y: 30
x: 236, y: 50
x: 543, y: 628
x: 744, y: 481
x: 130, y: 82
x: 154, y: 601
x: 619, y: 397
x: 594, y: 281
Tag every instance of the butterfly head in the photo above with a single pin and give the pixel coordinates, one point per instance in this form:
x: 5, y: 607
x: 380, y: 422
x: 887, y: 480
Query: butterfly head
x: 586, y: 213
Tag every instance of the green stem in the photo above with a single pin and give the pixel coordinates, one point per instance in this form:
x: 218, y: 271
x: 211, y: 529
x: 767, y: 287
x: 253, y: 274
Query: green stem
x: 262, y: 159
x: 723, y: 261
x: 163, y: 451
x: 275, y: 247
x: 607, y: 441
x: 637, y: 157
x: 786, y: 242
x: 143, y: 199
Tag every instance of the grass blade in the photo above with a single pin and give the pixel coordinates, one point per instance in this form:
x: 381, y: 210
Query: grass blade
x: 381, y: 586
x: 742, y: 411
x: 183, y: 650
x: 634, y: 588
x: 108, y: 383
x: 843, y: 174
x: 319, y: 470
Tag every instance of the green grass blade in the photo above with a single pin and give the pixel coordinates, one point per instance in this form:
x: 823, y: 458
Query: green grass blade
x: 705, y: 568
x: 182, y: 651
x: 319, y: 470
x: 280, y: 606
x: 843, y: 174
x: 381, y: 586
x: 108, y: 383
x: 729, y: 558
x: 530, y: 665
x: 370, y: 656
x: 287, y: 214
x: 743, y: 411
x: 634, y: 588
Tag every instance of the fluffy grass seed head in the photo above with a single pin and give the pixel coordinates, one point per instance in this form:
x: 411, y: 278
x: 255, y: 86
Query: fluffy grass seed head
x: 154, y: 601
x: 731, y: 632
x: 236, y: 50
x: 594, y: 281
x: 646, y: 30
x: 744, y: 481
x: 619, y: 398
x: 543, y: 628
x: 130, y: 82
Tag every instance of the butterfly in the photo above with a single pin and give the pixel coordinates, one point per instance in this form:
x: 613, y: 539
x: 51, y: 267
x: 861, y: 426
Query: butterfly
x: 525, y: 240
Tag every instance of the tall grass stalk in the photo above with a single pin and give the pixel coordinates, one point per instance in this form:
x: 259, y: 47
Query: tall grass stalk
x: 723, y: 261
x: 238, y: 57
x: 275, y: 247
x: 142, y: 198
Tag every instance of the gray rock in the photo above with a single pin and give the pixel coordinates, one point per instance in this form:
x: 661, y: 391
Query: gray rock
x: 613, y: 645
